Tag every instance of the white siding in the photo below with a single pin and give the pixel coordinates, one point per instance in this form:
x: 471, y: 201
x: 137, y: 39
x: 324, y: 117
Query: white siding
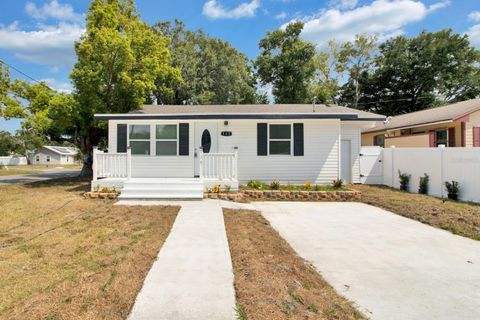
x: 318, y: 165
x: 351, y: 132
x: 156, y: 166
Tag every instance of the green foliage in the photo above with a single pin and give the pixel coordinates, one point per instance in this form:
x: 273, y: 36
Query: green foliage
x: 120, y: 59
x: 275, y: 185
x: 423, y: 185
x: 337, y: 183
x: 10, y: 106
x: 452, y: 189
x: 228, y: 188
x: 286, y: 62
x: 213, y: 71
x: 255, y: 184
x: 8, y: 144
x: 412, y: 74
x: 404, y: 180
x: 240, y: 312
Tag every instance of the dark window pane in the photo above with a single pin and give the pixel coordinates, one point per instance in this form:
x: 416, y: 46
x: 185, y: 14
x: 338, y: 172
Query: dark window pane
x: 280, y: 131
x: 140, y: 147
x: 166, y: 131
x: 139, y: 131
x: 442, y: 137
x: 279, y: 147
x: 166, y: 148
x: 206, y: 141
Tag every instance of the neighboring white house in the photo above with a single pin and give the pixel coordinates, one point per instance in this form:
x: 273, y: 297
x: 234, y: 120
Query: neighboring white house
x: 54, y: 155
x: 228, y: 144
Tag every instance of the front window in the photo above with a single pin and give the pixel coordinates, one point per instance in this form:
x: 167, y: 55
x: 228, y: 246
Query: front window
x: 280, y: 139
x: 166, y: 140
x: 379, y: 140
x: 441, y: 137
x: 37, y: 158
x: 47, y: 158
x: 139, y: 138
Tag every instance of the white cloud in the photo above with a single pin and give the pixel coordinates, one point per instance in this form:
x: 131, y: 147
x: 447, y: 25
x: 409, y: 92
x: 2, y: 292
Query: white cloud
x: 474, y: 35
x: 58, y: 85
x: 55, y: 10
x: 382, y: 17
x: 474, y: 16
x: 282, y: 15
x: 215, y: 10
x: 343, y: 4
x: 49, y: 44
x: 439, y: 5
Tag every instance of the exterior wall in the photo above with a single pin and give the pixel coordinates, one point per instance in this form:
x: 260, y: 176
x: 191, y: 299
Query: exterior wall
x: 367, y: 138
x: 421, y: 140
x: 473, y: 121
x: 351, y: 132
x: 156, y: 166
x: 42, y: 152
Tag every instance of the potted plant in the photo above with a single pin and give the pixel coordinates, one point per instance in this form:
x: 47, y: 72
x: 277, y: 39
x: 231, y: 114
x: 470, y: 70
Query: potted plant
x: 423, y: 185
x: 452, y: 189
x: 404, y: 180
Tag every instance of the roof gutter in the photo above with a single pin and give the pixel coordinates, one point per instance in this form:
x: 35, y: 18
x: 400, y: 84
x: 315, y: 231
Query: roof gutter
x: 412, y: 126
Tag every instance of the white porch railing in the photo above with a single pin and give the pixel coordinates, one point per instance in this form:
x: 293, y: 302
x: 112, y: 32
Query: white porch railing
x: 220, y: 166
x: 111, y: 165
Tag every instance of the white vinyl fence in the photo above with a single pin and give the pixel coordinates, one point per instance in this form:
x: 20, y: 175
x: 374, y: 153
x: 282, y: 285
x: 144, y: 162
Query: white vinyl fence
x: 441, y: 164
x: 13, y: 161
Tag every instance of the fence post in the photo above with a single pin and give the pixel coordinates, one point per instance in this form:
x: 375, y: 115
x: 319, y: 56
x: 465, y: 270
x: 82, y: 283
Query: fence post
x: 393, y: 165
x: 200, y: 162
x: 129, y: 163
x: 94, y: 164
x: 235, y: 163
x: 442, y: 167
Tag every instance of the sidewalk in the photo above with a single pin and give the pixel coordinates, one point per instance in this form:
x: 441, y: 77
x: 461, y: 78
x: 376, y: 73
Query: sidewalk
x: 192, y: 277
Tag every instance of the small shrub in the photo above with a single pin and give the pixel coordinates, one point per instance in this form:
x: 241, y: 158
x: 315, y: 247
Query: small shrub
x: 404, y: 180
x: 216, y: 188
x: 423, y: 185
x: 228, y: 188
x: 316, y: 187
x: 96, y: 188
x: 307, y: 185
x: 105, y: 190
x: 275, y: 185
x: 254, y: 184
x: 337, y: 183
x: 452, y: 189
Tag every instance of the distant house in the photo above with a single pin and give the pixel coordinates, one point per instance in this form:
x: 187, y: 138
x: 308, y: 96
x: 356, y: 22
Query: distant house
x: 54, y: 155
x: 454, y: 125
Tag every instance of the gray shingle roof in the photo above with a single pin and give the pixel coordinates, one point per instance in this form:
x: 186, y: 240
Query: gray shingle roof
x: 247, y: 109
x: 439, y: 114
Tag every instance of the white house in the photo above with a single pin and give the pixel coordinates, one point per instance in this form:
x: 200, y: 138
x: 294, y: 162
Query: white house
x: 157, y: 151
x: 54, y: 155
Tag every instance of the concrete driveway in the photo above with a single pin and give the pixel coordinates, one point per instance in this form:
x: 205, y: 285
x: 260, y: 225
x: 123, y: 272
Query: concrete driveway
x: 47, y: 174
x: 390, y: 266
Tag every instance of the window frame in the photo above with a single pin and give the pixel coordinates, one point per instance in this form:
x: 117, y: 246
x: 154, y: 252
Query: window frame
x: 376, y: 141
x: 37, y: 158
x: 141, y: 140
x: 436, y: 140
x: 177, y: 140
x: 47, y: 158
x: 290, y: 140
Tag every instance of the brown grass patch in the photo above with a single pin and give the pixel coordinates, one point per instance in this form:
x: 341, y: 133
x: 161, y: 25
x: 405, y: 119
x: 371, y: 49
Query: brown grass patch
x: 460, y: 218
x: 66, y: 257
x: 271, y: 280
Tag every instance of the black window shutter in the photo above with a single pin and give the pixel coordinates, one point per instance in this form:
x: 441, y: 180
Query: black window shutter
x: 183, y: 137
x: 121, y: 137
x: 262, y: 139
x: 298, y: 139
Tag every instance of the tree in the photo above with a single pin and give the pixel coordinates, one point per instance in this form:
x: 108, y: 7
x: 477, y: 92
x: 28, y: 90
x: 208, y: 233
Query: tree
x: 10, y: 106
x: 8, y: 144
x: 213, y: 71
x: 286, y: 62
x: 417, y: 73
x: 356, y: 58
x: 120, y: 58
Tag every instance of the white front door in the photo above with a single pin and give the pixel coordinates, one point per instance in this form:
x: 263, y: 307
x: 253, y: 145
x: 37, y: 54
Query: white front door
x: 206, y: 139
x: 346, y: 157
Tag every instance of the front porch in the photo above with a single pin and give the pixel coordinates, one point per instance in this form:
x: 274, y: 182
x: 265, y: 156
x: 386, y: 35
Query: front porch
x: 114, y: 171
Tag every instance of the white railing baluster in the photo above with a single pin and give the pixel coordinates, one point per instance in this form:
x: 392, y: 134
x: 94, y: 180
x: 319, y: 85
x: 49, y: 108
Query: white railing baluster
x: 218, y: 165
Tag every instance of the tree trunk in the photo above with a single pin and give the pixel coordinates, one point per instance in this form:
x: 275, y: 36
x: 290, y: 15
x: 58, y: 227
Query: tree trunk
x: 86, y: 148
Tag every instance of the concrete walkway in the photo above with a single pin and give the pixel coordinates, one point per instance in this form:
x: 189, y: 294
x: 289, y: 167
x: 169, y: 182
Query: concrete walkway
x: 46, y: 174
x: 390, y: 266
x: 192, y: 277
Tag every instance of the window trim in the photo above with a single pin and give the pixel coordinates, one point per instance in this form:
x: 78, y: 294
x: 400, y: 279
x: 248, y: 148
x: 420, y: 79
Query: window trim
x: 436, y: 140
x: 376, y: 141
x: 47, y: 158
x: 142, y: 140
x: 290, y: 140
x: 37, y: 158
x: 177, y: 140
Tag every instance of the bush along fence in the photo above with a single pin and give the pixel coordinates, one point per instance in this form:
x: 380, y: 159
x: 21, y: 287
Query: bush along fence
x: 460, y: 167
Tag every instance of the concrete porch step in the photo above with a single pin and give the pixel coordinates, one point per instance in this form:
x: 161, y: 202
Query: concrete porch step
x: 162, y: 188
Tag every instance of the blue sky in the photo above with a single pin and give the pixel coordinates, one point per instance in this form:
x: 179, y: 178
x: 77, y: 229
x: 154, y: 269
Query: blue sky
x: 37, y: 36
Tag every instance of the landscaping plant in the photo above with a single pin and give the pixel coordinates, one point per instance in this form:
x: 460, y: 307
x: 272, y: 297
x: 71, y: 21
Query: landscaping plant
x: 453, y: 189
x: 337, y: 183
x: 307, y: 185
x: 228, y: 188
x: 404, y: 180
x: 275, y: 185
x: 216, y: 188
x: 254, y: 184
x: 423, y: 185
